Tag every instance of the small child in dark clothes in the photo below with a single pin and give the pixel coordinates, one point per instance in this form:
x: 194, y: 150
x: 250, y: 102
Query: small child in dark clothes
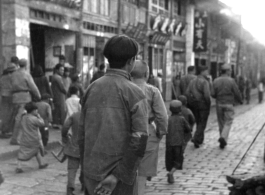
x: 45, y: 112
x: 178, y: 127
x: 188, y: 115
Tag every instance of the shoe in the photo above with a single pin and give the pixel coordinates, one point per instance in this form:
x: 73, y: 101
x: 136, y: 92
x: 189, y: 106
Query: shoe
x: 222, y: 143
x: 70, y: 191
x: 170, y: 178
x: 196, y: 145
x: 19, y: 170
x: 44, y: 166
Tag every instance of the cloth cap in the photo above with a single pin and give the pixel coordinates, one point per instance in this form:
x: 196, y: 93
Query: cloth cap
x: 120, y: 48
x: 22, y: 63
x: 226, y: 67
x: 29, y: 107
x: 11, y: 68
x: 183, y: 99
x: 175, y: 106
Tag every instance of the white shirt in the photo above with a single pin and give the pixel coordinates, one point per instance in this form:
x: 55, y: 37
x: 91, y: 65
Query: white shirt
x: 72, y: 105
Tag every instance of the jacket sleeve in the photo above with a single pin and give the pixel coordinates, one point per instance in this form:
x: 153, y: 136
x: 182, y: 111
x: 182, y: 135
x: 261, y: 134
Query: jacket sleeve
x: 128, y: 165
x: 160, y: 112
x: 33, y: 88
x: 81, y: 133
x: 237, y: 92
x: 66, y: 126
x: 39, y: 121
x: 191, y: 119
x: 187, y: 128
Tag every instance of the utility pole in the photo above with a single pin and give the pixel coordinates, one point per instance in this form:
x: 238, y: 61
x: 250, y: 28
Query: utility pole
x: 79, y: 60
x: 119, y: 17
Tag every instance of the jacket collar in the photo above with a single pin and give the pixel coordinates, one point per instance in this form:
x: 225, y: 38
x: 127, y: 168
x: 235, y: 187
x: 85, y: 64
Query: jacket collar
x: 118, y: 72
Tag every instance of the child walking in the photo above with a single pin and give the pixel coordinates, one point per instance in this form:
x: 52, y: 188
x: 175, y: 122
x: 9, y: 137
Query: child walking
x: 71, y: 150
x: 73, y: 102
x: 30, y: 141
x: 188, y: 115
x: 178, y: 127
x: 45, y: 112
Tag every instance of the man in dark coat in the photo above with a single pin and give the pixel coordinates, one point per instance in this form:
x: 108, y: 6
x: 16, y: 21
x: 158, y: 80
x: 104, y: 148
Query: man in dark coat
x: 199, y: 99
x: 99, y: 73
x: 113, y: 123
x: 59, y: 93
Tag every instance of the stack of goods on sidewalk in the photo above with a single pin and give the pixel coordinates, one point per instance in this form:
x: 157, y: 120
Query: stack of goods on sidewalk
x: 251, y: 186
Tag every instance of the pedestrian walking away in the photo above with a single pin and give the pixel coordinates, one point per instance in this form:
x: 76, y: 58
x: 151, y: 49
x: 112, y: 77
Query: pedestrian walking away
x: 185, y: 80
x: 227, y: 94
x: 77, y: 83
x: 45, y: 111
x: 248, y: 90
x: 199, y: 101
x: 157, y: 127
x: 23, y: 91
x: 30, y: 141
x: 71, y: 150
x: 6, y: 101
x: 176, y: 87
x: 175, y: 140
x: 66, y: 79
x: 114, y: 123
x: 59, y: 93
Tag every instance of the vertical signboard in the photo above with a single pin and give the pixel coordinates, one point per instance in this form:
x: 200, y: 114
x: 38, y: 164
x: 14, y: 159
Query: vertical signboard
x: 200, y: 31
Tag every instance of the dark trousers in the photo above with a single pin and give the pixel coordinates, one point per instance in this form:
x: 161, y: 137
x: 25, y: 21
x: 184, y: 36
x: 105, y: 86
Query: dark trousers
x: 72, y: 167
x: 44, y: 131
x: 121, y: 188
x: 174, y: 157
x: 260, y: 96
x: 201, y: 117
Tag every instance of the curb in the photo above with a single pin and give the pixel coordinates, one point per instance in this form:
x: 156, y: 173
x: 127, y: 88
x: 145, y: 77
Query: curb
x: 13, y: 154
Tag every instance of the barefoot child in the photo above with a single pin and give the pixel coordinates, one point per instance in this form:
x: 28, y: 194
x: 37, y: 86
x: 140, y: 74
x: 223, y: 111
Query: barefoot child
x: 178, y: 127
x: 30, y: 141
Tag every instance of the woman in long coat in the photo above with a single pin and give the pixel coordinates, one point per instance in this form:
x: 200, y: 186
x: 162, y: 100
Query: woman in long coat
x: 59, y: 93
x: 6, y: 101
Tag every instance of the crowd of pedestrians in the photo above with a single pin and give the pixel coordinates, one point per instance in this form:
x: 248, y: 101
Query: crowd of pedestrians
x: 112, y: 130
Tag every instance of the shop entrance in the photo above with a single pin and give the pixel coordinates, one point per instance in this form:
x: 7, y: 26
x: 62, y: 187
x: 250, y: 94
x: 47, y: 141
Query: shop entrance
x: 37, y: 42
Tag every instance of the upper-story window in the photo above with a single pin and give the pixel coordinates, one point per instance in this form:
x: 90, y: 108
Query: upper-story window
x: 97, y: 6
x: 132, y: 1
x: 160, y: 6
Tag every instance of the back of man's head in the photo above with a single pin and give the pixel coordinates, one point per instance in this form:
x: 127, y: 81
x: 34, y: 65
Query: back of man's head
x: 119, y: 49
x: 14, y: 59
x: 191, y: 69
x: 141, y: 70
x: 22, y: 63
x: 73, y: 90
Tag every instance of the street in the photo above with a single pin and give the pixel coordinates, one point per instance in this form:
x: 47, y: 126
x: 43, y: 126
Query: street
x: 204, y: 168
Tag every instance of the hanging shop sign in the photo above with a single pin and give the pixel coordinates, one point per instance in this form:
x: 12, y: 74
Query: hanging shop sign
x: 159, y: 38
x: 137, y: 32
x: 73, y: 4
x: 200, y: 32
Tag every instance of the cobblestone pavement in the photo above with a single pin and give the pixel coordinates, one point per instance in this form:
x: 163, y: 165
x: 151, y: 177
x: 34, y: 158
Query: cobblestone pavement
x: 204, y: 169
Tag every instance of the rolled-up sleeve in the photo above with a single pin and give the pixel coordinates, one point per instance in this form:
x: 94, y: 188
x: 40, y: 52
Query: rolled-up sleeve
x: 126, y: 169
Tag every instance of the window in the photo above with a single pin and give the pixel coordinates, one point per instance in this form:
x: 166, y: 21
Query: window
x: 98, y: 6
x: 177, y: 7
x: 160, y: 6
x: 131, y: 1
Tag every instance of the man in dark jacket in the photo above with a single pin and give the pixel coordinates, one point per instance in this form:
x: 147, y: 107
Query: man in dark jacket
x: 59, y: 93
x: 226, y: 93
x: 114, y: 123
x: 185, y: 80
x: 199, y: 99
x: 99, y: 73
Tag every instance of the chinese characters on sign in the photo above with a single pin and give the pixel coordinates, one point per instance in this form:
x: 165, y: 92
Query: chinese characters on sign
x: 74, y: 4
x: 200, y: 32
x: 137, y: 32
